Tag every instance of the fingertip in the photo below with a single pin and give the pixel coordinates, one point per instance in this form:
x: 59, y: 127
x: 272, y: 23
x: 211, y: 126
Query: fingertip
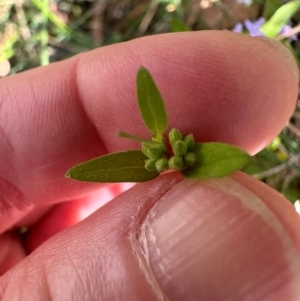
x: 282, y: 208
x: 219, y: 85
x: 222, y: 238
x: 283, y: 55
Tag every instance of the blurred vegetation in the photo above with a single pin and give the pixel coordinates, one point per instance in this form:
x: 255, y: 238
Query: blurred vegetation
x: 38, y: 32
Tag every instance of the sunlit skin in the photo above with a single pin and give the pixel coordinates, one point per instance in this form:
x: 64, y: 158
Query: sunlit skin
x: 167, y: 239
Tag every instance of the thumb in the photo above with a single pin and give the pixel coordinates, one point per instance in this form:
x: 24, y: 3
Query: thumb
x: 171, y: 239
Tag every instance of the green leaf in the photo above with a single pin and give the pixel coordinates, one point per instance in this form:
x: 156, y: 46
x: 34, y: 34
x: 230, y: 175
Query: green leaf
x: 178, y: 26
x: 135, y: 138
x: 270, y: 8
x: 215, y: 159
x: 125, y: 166
x: 281, y: 17
x: 151, y: 104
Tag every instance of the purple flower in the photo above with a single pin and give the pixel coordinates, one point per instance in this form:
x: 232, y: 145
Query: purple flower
x: 238, y: 28
x: 286, y: 29
x: 254, y: 27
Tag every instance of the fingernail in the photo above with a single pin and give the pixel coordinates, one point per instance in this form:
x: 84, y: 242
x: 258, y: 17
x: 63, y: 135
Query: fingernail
x: 274, y: 46
x: 215, y: 240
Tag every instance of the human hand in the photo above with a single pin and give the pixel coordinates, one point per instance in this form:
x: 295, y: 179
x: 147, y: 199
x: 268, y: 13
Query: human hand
x: 168, y: 239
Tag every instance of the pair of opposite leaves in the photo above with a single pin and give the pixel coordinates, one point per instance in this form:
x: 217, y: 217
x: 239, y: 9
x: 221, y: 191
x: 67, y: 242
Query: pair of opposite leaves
x: 213, y: 159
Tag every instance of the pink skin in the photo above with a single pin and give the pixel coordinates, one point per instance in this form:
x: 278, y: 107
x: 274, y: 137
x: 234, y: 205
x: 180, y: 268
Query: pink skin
x: 218, y: 85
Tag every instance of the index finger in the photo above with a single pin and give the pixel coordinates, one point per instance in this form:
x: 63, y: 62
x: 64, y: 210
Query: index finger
x: 54, y: 117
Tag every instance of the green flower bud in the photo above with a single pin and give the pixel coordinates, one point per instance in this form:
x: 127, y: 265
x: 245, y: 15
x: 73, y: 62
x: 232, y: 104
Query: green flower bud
x: 179, y: 148
x: 145, y: 148
x: 162, y: 165
x: 190, y: 159
x: 150, y: 164
x: 174, y: 135
x: 155, y: 152
x: 190, y: 142
x: 176, y: 163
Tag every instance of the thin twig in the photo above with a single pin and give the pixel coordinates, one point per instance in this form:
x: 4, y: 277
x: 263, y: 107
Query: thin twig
x: 293, y: 31
x: 24, y: 28
x: 293, y: 129
x: 97, y: 23
x: 288, y: 179
x: 148, y: 18
x: 274, y: 170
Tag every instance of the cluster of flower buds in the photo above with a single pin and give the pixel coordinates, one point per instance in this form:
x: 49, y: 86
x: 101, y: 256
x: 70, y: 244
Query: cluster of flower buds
x: 182, y: 149
x: 156, y: 155
x: 183, y: 155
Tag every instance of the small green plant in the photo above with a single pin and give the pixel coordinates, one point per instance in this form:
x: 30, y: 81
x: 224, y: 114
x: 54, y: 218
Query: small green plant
x: 181, y: 153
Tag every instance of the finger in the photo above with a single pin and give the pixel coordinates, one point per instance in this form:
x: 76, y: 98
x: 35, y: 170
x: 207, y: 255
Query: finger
x: 66, y: 214
x: 11, y: 251
x: 208, y: 240
x: 45, y: 221
x: 63, y: 114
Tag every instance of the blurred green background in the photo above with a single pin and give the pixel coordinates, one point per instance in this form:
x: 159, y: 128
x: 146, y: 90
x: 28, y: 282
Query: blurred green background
x: 38, y: 32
